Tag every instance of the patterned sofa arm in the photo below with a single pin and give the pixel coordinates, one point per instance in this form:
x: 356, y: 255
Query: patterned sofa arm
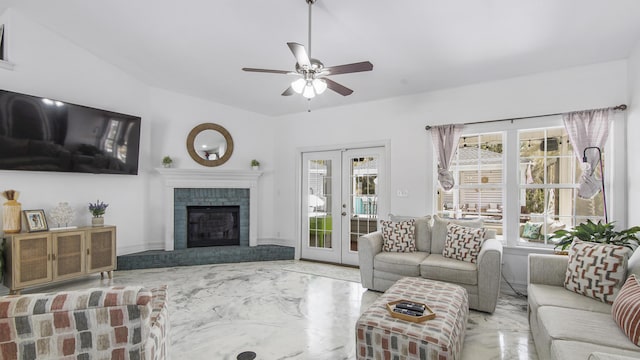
x: 85, y: 324
x: 157, y: 346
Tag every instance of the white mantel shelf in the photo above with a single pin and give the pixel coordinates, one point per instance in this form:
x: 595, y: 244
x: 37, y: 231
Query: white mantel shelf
x: 211, y: 174
x: 209, y: 178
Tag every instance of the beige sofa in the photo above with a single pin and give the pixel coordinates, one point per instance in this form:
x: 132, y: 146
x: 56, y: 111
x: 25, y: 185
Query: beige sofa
x: 566, y: 325
x: 379, y: 270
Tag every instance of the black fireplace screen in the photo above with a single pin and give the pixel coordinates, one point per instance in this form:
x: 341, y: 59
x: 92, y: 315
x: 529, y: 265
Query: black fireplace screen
x: 213, y: 226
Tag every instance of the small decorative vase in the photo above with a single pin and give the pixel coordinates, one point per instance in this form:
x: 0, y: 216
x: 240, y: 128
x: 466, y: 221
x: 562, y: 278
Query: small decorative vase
x: 166, y: 165
x: 11, y: 220
x: 97, y: 221
x: 256, y: 167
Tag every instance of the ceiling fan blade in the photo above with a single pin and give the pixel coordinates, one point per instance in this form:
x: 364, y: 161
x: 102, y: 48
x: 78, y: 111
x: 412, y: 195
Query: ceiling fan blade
x: 348, y: 68
x: 340, y: 89
x: 300, y: 53
x: 288, y: 92
x: 268, y: 71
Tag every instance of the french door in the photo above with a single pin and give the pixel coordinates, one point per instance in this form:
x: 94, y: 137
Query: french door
x: 340, y: 201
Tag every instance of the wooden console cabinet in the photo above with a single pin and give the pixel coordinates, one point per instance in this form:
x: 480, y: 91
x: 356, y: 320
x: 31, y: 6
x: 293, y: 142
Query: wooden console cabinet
x: 44, y: 257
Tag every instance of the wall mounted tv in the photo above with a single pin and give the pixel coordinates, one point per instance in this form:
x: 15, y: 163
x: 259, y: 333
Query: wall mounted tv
x: 41, y: 134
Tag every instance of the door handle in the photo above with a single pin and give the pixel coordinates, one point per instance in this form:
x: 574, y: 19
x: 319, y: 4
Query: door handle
x: 344, y: 213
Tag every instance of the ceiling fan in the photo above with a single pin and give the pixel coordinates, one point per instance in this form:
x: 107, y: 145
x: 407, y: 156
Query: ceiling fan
x: 313, y: 74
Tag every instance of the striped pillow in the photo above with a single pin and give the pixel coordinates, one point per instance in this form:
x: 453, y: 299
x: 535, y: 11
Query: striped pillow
x: 626, y: 309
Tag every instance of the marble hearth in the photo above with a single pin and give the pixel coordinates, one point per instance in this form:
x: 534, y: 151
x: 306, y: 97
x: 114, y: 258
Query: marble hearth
x: 187, y: 187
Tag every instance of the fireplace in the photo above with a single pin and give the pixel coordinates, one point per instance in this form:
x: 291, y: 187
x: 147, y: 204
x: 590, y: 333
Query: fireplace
x: 213, y: 226
x: 203, y: 187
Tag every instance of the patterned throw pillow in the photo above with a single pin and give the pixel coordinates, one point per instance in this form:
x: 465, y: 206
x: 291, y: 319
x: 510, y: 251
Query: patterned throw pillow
x: 398, y: 236
x: 596, y: 270
x: 463, y: 243
x: 626, y: 309
x: 531, y: 230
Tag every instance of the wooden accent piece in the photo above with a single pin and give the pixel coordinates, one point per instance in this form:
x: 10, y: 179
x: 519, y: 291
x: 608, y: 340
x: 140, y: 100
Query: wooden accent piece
x: 51, y: 256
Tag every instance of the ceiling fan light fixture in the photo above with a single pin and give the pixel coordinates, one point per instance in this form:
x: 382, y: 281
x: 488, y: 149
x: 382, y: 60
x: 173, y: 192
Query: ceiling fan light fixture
x: 319, y: 86
x: 298, y: 85
x: 308, y: 91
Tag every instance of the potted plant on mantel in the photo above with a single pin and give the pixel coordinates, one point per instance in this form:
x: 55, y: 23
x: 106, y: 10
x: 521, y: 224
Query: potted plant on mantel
x: 167, y: 161
x: 97, y: 210
x: 255, y: 164
x: 602, y: 233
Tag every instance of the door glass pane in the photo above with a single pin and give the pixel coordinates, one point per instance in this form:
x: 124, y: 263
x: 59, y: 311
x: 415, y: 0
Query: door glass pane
x: 363, y: 195
x: 319, y: 203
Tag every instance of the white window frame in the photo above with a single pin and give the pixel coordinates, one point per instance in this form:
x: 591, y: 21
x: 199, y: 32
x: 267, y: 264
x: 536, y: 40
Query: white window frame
x: 615, y: 170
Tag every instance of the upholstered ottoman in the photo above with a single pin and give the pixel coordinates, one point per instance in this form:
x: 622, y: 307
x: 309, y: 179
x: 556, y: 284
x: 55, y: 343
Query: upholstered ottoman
x: 381, y: 336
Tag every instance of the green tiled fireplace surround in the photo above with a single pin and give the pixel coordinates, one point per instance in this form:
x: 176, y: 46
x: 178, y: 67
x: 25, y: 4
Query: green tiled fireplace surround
x: 208, y: 197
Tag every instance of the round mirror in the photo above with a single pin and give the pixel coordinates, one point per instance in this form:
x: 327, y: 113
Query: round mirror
x: 210, y: 144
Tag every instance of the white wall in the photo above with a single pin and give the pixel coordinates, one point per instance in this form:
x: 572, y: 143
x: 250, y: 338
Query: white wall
x: 402, y: 121
x: 174, y: 115
x: 633, y: 129
x: 48, y: 65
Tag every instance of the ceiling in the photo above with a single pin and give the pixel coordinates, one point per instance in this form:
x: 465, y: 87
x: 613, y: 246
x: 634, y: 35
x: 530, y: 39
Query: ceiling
x: 198, y: 47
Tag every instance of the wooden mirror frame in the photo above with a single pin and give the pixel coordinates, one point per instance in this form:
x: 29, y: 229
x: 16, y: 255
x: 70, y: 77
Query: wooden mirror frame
x: 192, y: 150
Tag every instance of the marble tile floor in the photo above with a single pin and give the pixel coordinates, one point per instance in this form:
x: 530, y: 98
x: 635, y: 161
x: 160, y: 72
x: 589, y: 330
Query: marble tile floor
x: 292, y: 310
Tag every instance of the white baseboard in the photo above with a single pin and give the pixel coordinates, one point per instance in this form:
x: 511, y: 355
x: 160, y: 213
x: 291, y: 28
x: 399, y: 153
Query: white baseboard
x: 272, y: 241
x: 130, y: 249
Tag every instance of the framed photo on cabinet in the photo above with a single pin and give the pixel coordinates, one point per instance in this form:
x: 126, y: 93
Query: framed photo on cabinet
x: 35, y: 219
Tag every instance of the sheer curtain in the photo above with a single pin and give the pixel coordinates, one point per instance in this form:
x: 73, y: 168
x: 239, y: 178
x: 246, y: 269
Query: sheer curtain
x: 585, y: 129
x: 445, y: 141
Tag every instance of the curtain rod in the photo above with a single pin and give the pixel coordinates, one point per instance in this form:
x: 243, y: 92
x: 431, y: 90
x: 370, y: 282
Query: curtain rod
x: 620, y: 107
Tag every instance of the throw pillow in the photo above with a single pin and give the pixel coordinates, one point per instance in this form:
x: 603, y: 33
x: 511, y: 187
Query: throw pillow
x: 596, y: 270
x: 531, y: 230
x: 463, y: 243
x: 423, y: 230
x: 439, y: 231
x: 398, y: 236
x: 626, y: 309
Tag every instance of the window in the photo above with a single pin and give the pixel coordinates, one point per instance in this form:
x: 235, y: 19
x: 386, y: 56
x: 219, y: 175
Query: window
x: 478, y: 171
x: 549, y: 172
x: 527, y: 168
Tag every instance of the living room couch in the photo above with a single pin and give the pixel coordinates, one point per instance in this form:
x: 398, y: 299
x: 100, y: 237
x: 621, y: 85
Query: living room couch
x: 101, y: 323
x: 379, y: 269
x: 567, y: 325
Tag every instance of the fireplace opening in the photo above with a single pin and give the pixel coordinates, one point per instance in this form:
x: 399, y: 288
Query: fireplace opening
x: 213, y: 226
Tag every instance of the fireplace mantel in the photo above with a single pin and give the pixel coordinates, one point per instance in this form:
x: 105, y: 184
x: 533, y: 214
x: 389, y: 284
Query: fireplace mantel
x: 209, y: 178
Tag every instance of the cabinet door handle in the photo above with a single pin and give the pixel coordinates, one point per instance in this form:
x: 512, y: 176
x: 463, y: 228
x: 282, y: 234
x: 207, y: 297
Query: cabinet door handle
x: 53, y: 257
x: 48, y: 257
x: 87, y: 251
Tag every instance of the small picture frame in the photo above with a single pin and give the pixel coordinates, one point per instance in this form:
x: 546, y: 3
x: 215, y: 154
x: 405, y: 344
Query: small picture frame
x: 35, y: 220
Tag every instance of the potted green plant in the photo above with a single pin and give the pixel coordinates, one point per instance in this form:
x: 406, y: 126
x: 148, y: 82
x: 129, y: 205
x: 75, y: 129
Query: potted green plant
x: 97, y: 210
x: 167, y: 161
x: 603, y: 233
x: 255, y: 164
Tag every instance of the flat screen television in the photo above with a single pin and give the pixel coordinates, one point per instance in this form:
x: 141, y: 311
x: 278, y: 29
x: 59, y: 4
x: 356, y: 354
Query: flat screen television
x: 41, y: 134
